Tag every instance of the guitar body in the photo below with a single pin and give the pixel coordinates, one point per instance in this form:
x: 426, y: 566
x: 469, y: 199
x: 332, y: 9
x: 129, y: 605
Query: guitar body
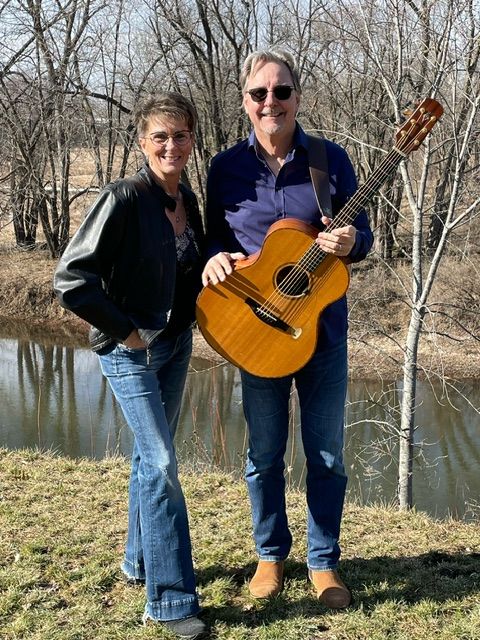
x: 264, y: 316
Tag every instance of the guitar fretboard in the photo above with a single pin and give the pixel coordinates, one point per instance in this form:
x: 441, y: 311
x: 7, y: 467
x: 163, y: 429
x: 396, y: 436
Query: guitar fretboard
x: 314, y: 256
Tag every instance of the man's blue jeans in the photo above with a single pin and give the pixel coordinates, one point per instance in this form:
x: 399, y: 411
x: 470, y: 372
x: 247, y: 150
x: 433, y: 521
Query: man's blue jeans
x: 158, y: 548
x: 322, y: 388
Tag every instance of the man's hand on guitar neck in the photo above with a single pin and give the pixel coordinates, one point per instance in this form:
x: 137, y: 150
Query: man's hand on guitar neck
x: 338, y: 241
x: 219, y: 267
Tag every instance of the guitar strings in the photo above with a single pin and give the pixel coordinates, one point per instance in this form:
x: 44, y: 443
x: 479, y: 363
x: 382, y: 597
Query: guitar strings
x: 314, y: 256
x: 295, y: 308
x: 276, y: 305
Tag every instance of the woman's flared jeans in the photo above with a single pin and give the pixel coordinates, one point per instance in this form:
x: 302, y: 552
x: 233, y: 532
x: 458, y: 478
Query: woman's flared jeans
x: 321, y: 386
x: 149, y: 388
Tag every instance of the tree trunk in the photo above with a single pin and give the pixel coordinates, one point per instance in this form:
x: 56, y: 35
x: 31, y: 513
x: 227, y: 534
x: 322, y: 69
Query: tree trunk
x: 408, y: 405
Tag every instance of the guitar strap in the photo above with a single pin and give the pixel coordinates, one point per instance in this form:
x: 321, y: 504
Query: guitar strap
x: 318, y: 166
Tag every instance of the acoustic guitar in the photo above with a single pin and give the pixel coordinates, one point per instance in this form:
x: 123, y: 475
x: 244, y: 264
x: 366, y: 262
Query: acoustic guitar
x: 264, y: 316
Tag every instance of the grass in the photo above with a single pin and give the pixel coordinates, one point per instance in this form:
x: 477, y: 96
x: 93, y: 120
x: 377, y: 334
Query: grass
x: 62, y: 526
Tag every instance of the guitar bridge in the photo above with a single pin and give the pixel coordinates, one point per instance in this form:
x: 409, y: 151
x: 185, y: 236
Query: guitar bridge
x: 267, y: 316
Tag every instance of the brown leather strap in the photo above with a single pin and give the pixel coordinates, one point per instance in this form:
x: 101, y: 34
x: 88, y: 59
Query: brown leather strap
x: 318, y: 165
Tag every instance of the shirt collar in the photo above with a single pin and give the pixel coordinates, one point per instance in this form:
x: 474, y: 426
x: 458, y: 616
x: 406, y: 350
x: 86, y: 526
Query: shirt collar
x: 301, y: 139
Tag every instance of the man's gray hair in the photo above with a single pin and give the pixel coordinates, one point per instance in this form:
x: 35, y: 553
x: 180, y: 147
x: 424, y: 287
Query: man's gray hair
x: 269, y: 55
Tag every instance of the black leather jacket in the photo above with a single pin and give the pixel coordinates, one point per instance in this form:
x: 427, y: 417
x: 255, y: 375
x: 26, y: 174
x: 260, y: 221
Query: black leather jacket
x: 118, y: 271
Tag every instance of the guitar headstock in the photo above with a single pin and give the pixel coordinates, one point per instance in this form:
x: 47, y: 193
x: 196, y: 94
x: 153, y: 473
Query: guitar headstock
x: 418, y: 126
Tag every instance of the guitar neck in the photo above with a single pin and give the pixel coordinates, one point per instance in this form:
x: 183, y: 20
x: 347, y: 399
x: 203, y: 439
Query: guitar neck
x: 365, y: 193
x: 315, y: 255
x: 408, y: 138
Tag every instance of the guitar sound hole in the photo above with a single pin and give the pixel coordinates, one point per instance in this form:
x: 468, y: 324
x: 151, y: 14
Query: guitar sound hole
x: 292, y: 281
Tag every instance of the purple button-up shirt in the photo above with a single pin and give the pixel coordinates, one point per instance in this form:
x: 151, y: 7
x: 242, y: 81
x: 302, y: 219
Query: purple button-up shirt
x: 244, y: 198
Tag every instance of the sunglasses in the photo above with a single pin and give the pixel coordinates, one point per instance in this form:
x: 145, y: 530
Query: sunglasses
x: 180, y: 138
x: 281, y: 92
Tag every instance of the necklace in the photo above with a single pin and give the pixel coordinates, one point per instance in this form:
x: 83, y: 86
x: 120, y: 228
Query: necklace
x: 173, y: 203
x: 176, y: 215
x: 173, y: 215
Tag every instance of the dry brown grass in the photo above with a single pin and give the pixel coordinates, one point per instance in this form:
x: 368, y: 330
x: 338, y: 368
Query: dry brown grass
x: 62, y: 528
x: 378, y: 302
x: 378, y: 320
x: 27, y: 299
x: 380, y: 313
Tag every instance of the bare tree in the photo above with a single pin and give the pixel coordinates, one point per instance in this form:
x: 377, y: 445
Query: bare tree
x: 71, y: 72
x: 69, y: 98
x: 409, y: 49
x: 43, y: 60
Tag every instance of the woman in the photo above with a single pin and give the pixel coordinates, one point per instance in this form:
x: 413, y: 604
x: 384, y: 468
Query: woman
x: 132, y: 271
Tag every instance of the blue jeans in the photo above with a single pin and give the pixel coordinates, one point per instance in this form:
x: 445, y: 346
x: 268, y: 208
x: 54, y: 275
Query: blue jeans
x: 158, y: 548
x: 321, y: 386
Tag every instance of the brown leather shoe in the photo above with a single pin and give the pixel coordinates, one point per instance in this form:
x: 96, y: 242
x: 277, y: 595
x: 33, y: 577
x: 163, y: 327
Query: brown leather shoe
x: 330, y: 589
x: 268, y: 579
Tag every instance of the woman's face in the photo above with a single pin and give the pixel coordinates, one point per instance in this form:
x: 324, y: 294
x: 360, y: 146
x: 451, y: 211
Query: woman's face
x: 166, y: 143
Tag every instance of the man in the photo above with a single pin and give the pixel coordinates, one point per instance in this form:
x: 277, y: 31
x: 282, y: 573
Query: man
x: 250, y: 186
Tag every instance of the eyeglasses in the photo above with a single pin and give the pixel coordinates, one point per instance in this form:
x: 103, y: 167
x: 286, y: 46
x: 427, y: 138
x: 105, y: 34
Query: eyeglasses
x: 281, y: 92
x: 160, y: 139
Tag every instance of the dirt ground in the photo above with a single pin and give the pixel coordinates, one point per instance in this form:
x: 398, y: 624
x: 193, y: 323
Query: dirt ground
x: 378, y: 302
x: 28, y: 308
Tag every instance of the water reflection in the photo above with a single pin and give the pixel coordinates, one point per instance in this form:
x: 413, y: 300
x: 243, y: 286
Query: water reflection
x: 55, y: 397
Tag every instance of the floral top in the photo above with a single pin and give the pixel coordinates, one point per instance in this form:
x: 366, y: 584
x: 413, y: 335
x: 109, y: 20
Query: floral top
x: 187, y: 283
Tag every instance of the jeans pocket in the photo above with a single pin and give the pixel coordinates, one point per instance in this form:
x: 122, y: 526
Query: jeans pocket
x: 123, y: 347
x: 105, y: 351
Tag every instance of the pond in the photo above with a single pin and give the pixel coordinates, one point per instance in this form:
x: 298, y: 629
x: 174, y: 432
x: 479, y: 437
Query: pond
x: 54, y: 397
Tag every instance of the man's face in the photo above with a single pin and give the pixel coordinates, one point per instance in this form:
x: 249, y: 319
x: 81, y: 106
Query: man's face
x: 271, y: 116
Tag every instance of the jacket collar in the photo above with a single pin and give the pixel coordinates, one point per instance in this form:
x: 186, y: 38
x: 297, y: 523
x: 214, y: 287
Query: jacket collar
x: 147, y: 174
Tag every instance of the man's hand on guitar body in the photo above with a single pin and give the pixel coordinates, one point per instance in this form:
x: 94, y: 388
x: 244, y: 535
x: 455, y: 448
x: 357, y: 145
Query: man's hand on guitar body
x: 339, y: 241
x: 220, y: 266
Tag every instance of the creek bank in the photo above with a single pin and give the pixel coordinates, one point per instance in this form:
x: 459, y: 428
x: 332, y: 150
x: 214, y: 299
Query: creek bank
x: 29, y: 310
x: 374, y: 360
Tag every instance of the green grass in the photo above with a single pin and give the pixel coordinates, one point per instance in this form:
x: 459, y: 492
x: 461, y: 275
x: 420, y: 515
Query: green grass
x: 62, y: 527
